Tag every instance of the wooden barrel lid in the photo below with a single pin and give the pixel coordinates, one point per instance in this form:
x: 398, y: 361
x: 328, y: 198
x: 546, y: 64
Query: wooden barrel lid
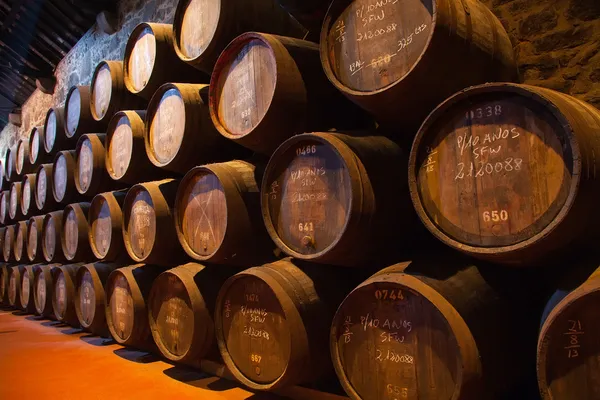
x: 203, y: 213
x: 404, y: 335
x: 71, y: 232
x: 101, y: 226
x: 173, y: 315
x: 73, y: 110
x: 101, y: 91
x: 9, y: 235
x: 32, y: 239
x: 60, y: 295
x: 307, y: 195
x: 26, y: 196
x: 120, y: 148
x: 14, y: 200
x: 372, y: 45
x: 85, y: 163
x: 87, y: 299
x: 245, y: 86
x: 12, y: 287
x: 567, y: 348
x: 3, y: 282
x: 255, y: 329
x: 197, y: 26
x: 492, y: 168
x: 25, y: 288
x: 19, y: 240
x: 60, y: 177
x: 3, y: 206
x: 34, y: 148
x: 50, y: 130
x: 40, y: 292
x: 141, y: 227
x: 121, y: 307
x: 49, y: 237
x: 11, y: 164
x: 41, y: 188
x: 167, y: 126
x: 141, y: 58
x: 21, y: 156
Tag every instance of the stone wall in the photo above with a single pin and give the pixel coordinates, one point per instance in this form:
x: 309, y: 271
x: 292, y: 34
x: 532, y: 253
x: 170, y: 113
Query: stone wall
x: 557, y: 45
x: 78, y: 66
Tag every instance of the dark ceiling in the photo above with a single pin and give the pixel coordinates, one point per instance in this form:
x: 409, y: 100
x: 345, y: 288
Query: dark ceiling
x: 34, y: 36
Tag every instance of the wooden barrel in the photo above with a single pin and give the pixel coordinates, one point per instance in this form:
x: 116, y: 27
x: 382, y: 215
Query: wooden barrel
x: 11, y: 164
x: 4, y: 206
x: 22, y: 164
x: 52, y: 228
x: 498, y: 171
x: 203, y: 28
x: 566, y: 352
x: 37, y: 153
x: 34, y: 240
x: 127, y: 289
x: 64, y: 189
x: 310, y: 13
x: 419, y: 331
x: 19, y: 242
x: 55, y: 138
x: 27, y: 290
x: 3, y: 179
x: 105, y: 219
x: 180, y: 311
x: 90, y: 172
x: 74, y: 237
x: 4, y: 283
x: 14, y: 202
x: 286, y: 75
x: 14, y: 286
x: 90, y: 300
x: 126, y: 158
x: 44, y: 182
x: 148, y: 226
x: 63, y: 293
x: 383, y: 54
x: 338, y: 199
x: 27, y: 195
x: 272, y: 323
x: 109, y: 94
x: 78, y: 114
x: 150, y: 60
x: 43, y: 289
x: 218, y: 217
x: 179, y: 133
x: 7, y: 244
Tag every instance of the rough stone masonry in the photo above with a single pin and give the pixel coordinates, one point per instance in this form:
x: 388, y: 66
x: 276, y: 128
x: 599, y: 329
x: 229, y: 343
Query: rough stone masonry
x: 557, y: 45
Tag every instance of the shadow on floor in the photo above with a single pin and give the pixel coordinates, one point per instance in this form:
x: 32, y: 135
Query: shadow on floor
x: 201, y: 380
x: 34, y: 318
x: 54, y: 324
x: 97, y: 340
x: 137, y: 356
x: 71, y: 330
x: 20, y: 313
x: 3, y: 332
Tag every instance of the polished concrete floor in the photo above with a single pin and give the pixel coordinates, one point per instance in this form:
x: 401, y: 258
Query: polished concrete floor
x: 41, y: 359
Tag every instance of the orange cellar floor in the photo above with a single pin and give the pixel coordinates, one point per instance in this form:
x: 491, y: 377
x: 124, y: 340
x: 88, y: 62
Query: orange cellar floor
x: 41, y: 359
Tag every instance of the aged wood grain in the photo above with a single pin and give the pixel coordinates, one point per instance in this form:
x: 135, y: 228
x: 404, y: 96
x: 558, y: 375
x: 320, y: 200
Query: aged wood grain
x: 52, y: 227
x: 101, y: 91
x: 14, y: 205
x: 167, y: 126
x: 19, y: 243
x: 120, y: 147
x: 142, y: 59
x: 73, y: 110
x: 316, y: 186
x: 381, y: 53
x: 142, y: 224
x: 494, y: 170
x: 9, y: 239
x: 566, y: 363
x: 198, y: 26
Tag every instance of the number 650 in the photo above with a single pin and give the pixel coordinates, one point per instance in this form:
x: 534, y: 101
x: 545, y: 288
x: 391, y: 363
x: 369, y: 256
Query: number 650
x: 495, y: 216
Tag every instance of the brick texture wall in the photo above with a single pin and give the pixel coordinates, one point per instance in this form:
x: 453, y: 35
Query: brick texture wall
x: 557, y: 45
x: 78, y: 66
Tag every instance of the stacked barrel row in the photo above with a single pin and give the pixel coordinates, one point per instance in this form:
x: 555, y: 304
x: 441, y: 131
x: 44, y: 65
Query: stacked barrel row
x: 205, y: 121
